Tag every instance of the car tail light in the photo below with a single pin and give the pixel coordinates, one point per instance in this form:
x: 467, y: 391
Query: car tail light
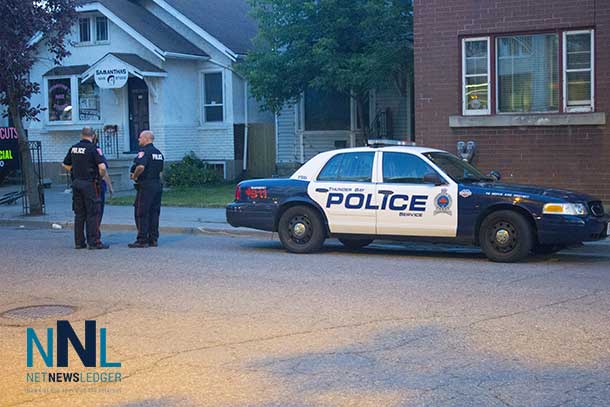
x: 238, y: 192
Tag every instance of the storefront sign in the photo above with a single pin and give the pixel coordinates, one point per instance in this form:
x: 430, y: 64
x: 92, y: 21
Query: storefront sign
x: 111, y: 75
x: 9, y: 149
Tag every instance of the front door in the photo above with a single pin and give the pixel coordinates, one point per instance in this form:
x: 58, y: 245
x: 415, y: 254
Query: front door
x: 409, y: 206
x: 138, y: 110
x: 345, y: 192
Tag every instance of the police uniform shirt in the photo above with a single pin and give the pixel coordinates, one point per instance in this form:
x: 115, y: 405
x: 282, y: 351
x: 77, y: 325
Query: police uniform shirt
x: 84, y: 159
x: 152, y: 160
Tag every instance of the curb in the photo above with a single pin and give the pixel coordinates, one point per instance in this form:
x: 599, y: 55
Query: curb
x: 200, y: 230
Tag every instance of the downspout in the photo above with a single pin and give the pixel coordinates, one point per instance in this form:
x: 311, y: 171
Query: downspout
x: 245, y: 167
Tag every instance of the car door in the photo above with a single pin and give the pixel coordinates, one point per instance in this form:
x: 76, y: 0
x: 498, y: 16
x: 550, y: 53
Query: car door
x: 345, y: 192
x: 408, y: 206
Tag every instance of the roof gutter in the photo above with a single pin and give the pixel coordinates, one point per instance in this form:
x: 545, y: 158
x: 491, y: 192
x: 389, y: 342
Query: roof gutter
x: 178, y: 55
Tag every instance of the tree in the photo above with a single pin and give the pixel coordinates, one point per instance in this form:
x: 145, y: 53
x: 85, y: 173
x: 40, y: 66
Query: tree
x: 351, y: 46
x: 24, y: 22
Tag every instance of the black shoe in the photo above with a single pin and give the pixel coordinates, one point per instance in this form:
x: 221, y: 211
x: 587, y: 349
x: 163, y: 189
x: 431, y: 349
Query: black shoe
x: 99, y: 246
x: 80, y: 246
x: 138, y: 245
x: 153, y: 243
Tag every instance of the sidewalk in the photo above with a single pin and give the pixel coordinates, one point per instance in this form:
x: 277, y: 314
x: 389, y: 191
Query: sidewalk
x: 120, y: 218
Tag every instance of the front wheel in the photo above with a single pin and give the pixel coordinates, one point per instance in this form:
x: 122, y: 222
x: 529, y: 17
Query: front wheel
x: 356, y: 244
x: 506, y: 236
x: 301, y: 230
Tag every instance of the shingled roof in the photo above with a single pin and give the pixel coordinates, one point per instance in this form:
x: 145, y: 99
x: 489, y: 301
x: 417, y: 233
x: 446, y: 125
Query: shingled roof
x: 149, y: 26
x: 227, y: 20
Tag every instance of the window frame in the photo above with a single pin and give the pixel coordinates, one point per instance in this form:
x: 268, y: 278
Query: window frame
x: 564, y: 76
x: 92, y: 30
x: 493, y: 72
x: 465, y: 110
x: 205, y: 122
x: 74, y: 93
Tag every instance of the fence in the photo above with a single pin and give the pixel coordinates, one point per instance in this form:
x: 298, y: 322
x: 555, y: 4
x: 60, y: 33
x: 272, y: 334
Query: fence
x: 36, y: 154
x: 108, y: 141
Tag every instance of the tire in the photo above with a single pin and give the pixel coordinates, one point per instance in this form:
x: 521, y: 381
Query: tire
x: 356, y: 244
x: 547, y: 248
x: 301, y: 230
x: 506, y: 236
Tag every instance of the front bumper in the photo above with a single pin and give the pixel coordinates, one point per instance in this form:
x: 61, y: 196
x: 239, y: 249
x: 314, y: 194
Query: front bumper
x: 251, y: 215
x: 567, y: 229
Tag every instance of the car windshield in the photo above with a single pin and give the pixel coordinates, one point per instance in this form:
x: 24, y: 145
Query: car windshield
x: 458, y: 170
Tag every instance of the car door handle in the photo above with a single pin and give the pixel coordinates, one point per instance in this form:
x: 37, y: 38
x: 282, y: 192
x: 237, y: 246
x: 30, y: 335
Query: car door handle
x: 385, y: 192
x: 323, y: 190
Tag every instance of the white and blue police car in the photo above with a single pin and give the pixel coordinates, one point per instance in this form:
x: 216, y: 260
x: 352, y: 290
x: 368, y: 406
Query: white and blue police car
x: 404, y: 193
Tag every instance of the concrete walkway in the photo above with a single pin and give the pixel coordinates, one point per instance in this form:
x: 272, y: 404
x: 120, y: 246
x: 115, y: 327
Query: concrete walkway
x: 173, y: 220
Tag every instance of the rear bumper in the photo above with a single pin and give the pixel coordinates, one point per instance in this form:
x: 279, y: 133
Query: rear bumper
x: 251, y: 215
x: 560, y: 229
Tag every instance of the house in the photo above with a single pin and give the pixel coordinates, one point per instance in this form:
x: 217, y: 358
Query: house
x: 325, y: 120
x: 167, y: 65
x: 528, y: 81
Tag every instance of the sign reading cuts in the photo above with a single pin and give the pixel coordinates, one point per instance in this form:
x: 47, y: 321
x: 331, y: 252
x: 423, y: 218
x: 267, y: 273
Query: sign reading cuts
x: 111, y: 75
x: 9, y: 149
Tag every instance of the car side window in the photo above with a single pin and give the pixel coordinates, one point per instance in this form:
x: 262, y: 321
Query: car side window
x: 354, y: 167
x: 401, y: 168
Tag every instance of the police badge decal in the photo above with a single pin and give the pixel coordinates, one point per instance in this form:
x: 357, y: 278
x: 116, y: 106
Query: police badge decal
x: 443, y: 202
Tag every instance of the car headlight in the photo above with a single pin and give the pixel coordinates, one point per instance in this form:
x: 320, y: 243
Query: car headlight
x: 565, y: 209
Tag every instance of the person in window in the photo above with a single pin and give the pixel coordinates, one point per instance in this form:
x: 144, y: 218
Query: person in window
x: 105, y: 183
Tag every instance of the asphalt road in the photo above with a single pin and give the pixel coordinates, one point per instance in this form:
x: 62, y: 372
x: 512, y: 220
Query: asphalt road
x: 217, y: 321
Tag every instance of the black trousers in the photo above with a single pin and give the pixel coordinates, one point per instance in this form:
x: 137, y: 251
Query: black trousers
x: 86, y: 206
x: 147, y: 209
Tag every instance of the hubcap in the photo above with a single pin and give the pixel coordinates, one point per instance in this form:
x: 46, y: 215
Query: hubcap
x: 299, y: 229
x: 502, y: 236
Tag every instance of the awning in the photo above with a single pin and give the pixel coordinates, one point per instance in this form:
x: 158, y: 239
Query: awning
x: 67, y: 70
x: 112, y: 70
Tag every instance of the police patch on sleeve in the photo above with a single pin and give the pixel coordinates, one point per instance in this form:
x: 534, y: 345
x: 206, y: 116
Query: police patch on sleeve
x: 99, y: 151
x: 141, y: 154
x: 443, y: 202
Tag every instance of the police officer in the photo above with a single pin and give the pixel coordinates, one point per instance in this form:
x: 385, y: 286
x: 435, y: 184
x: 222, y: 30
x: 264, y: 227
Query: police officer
x: 87, y: 167
x: 147, y: 169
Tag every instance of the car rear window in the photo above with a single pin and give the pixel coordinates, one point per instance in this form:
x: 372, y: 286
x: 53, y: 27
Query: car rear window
x: 354, y: 167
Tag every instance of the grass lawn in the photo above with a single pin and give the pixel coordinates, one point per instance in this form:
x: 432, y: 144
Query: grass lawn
x: 209, y: 196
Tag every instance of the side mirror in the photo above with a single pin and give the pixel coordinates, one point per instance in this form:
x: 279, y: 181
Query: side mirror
x: 433, y: 178
x: 495, y: 175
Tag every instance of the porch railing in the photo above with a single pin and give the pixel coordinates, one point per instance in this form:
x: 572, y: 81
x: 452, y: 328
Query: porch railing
x: 108, y: 141
x: 381, y: 126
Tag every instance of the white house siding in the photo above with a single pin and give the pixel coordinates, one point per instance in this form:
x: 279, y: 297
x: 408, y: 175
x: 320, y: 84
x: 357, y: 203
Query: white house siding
x: 315, y: 143
x: 288, y: 147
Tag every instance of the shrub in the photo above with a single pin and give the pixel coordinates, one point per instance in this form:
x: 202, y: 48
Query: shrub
x: 190, y: 172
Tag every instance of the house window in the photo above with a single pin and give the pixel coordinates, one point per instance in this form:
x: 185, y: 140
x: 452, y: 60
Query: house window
x: 578, y: 71
x: 60, y: 100
x: 475, y: 81
x: 101, y: 29
x: 213, y: 97
x: 88, y: 101
x: 529, y: 77
x: 327, y: 110
x: 84, y: 25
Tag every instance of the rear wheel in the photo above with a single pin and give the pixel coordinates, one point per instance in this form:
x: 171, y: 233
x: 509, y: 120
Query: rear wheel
x: 301, y: 230
x: 506, y: 236
x: 355, y: 244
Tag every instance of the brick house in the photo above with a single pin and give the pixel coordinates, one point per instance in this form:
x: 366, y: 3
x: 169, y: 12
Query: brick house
x: 529, y: 82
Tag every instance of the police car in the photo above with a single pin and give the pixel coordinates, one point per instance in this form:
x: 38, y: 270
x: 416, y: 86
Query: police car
x: 404, y: 193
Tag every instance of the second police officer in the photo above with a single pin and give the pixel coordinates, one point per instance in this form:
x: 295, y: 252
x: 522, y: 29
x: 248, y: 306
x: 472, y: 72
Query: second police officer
x: 147, y: 169
x: 87, y: 167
